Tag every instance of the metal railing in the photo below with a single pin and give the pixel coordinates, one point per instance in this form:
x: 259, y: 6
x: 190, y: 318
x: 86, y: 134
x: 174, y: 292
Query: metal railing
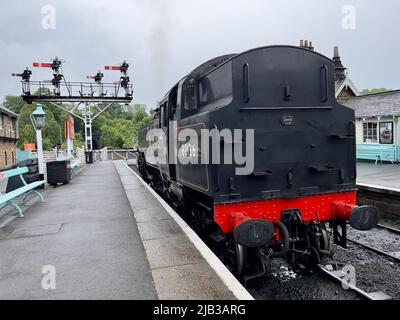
x: 76, y: 89
x: 121, y: 154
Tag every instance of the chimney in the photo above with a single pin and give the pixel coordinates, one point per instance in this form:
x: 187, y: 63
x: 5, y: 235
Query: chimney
x: 340, y: 70
x: 305, y: 44
x: 336, y: 52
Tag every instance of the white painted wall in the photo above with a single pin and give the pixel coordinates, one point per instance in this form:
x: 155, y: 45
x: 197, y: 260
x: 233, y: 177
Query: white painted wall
x: 359, y: 132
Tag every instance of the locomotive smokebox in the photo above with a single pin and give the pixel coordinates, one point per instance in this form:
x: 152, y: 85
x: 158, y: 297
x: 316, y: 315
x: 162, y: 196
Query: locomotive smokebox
x: 361, y: 218
x: 254, y: 233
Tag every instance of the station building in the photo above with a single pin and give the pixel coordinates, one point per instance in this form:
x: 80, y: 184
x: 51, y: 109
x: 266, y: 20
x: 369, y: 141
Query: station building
x: 8, y: 137
x: 377, y: 125
x: 377, y: 117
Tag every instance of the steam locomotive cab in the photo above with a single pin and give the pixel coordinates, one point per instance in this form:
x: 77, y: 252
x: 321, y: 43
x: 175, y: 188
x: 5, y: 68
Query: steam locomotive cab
x: 265, y: 155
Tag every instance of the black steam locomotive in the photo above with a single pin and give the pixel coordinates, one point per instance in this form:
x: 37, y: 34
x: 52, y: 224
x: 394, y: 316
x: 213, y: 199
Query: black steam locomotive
x: 301, y: 168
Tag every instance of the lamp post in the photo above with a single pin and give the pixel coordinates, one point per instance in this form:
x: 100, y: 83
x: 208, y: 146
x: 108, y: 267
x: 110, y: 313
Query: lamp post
x: 38, y: 118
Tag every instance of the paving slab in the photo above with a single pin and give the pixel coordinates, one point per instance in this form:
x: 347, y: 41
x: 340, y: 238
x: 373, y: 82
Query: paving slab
x: 384, y: 175
x: 151, y: 214
x: 173, y: 251
x: 182, y: 266
x: 159, y: 229
x: 35, y: 231
x: 189, y: 282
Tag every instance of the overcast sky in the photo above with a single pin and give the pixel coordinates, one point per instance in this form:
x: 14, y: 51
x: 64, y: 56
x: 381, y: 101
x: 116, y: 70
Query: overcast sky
x: 165, y: 39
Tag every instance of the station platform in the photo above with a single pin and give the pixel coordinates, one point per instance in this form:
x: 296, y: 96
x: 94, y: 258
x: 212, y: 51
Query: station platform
x: 380, y: 176
x: 379, y: 185
x: 106, y: 235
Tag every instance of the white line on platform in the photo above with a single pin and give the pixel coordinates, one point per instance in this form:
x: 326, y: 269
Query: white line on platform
x: 223, y: 273
x: 378, y: 187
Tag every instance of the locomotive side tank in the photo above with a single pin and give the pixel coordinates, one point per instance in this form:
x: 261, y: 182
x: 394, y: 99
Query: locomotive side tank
x: 300, y: 167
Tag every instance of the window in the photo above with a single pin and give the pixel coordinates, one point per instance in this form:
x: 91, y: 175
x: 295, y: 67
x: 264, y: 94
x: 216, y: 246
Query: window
x: 163, y: 116
x: 190, y: 94
x: 370, y: 132
x: 5, y: 157
x: 386, y: 133
x: 1, y: 121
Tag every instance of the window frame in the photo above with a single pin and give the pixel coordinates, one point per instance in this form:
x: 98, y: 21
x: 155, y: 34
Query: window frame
x: 366, y: 136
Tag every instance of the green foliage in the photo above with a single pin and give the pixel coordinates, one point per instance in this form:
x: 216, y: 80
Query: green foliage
x: 117, y: 127
x: 373, y: 91
x: 79, y: 141
x: 120, y: 128
x: 14, y: 103
x: 26, y: 130
x: 52, y: 133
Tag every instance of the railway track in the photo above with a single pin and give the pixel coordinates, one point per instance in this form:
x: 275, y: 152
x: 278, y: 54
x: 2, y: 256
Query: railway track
x: 394, y: 254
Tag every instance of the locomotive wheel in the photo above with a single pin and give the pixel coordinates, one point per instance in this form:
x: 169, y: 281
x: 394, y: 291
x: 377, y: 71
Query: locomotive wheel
x: 324, y: 245
x: 235, y: 257
x: 196, y: 220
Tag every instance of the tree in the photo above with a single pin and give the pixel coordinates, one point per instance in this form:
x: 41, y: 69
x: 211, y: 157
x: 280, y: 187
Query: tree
x: 26, y: 130
x: 52, y: 133
x: 118, y: 128
x: 14, y: 103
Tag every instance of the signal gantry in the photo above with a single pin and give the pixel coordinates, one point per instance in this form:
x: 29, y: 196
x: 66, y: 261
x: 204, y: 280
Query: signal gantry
x: 83, y: 96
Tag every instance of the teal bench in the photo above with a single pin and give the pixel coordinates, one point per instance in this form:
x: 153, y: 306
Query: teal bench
x: 6, y: 199
x: 376, y: 153
x: 75, y: 165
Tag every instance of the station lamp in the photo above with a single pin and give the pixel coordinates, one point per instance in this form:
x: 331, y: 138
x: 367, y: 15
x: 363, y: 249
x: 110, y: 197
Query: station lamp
x: 38, y: 117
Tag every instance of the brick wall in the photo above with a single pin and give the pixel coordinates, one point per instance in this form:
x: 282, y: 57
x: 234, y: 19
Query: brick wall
x: 8, y: 140
x: 8, y: 154
x: 345, y: 95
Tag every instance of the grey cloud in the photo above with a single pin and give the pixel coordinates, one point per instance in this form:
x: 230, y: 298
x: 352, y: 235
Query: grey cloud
x: 165, y: 39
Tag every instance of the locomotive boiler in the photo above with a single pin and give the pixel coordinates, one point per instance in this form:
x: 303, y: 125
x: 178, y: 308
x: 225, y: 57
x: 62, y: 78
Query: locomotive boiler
x: 301, y: 174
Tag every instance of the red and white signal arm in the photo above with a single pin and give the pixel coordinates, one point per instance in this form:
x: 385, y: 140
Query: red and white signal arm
x: 42, y: 65
x: 112, y: 68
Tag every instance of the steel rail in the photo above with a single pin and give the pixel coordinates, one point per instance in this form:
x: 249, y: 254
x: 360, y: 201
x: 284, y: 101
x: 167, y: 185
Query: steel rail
x: 379, y: 251
x: 389, y: 228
